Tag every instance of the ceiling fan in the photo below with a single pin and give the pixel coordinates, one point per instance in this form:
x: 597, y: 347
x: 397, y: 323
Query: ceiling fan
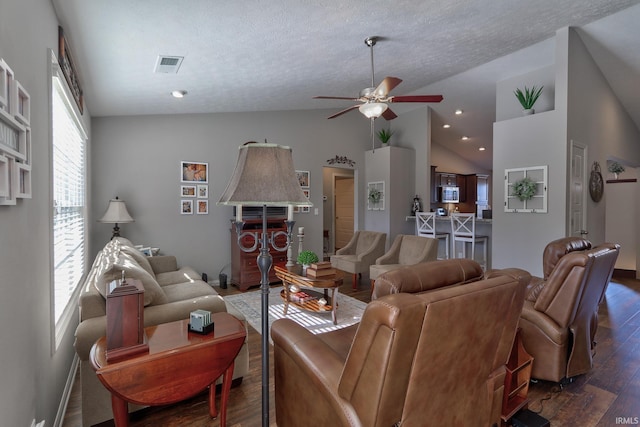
x: 375, y: 99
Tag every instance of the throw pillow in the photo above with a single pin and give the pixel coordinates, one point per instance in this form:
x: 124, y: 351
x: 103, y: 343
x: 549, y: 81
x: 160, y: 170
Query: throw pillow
x: 139, y: 257
x: 112, y: 270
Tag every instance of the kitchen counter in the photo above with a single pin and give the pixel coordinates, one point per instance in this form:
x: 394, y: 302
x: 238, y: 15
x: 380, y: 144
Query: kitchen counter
x: 483, y: 228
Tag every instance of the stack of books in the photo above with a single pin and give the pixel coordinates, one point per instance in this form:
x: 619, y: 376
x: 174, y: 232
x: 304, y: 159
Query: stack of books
x: 320, y: 269
x: 300, y: 297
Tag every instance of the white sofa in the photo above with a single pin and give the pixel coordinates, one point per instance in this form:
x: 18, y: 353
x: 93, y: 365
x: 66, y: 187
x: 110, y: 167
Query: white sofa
x: 171, y: 294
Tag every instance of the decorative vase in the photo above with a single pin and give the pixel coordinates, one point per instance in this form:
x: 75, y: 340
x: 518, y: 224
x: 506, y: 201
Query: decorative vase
x: 304, y: 269
x: 528, y: 112
x: 615, y: 176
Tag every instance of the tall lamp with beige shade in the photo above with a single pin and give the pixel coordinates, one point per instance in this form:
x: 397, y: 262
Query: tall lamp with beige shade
x: 264, y: 176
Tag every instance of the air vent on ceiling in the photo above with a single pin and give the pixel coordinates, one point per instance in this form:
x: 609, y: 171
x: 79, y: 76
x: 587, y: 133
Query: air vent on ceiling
x: 168, y: 64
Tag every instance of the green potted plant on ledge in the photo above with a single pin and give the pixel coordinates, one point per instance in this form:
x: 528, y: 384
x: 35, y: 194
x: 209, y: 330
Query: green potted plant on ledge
x: 306, y: 258
x: 528, y: 98
x: 615, y: 168
x: 384, y: 135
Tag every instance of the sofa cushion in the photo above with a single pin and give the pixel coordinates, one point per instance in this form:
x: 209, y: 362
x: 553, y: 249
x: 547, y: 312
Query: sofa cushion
x: 111, y: 268
x: 184, y: 274
x: 187, y: 290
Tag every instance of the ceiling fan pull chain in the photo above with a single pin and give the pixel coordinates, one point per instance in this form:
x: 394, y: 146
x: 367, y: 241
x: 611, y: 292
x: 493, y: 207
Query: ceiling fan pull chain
x: 373, y: 140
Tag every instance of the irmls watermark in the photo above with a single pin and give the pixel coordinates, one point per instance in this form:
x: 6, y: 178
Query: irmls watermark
x: 627, y: 420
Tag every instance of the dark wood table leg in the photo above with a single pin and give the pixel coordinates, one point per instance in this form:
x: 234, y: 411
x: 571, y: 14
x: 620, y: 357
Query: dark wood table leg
x: 213, y: 411
x: 287, y: 298
x: 334, y: 306
x: 120, y: 411
x: 224, y: 398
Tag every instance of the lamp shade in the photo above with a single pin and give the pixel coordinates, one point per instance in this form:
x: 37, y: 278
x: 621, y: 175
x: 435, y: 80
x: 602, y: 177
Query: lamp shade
x: 373, y: 109
x: 116, y: 213
x: 264, y: 175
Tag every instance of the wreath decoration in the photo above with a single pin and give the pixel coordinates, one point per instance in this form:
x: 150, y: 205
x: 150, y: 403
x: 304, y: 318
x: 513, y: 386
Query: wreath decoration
x: 524, y: 189
x: 375, y: 195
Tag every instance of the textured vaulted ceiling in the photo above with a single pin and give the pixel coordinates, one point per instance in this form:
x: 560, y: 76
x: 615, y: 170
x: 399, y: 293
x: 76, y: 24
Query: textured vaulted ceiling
x: 253, y: 55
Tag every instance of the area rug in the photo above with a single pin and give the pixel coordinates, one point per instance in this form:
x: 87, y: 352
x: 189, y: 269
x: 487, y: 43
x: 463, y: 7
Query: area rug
x: 349, y: 311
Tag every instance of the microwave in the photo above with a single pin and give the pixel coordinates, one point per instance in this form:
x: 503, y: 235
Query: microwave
x: 450, y: 194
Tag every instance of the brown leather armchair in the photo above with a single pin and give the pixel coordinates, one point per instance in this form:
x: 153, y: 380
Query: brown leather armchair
x: 362, y: 250
x: 560, y: 314
x: 436, y: 356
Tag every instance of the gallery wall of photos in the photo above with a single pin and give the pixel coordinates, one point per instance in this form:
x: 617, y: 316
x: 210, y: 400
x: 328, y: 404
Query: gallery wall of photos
x: 15, y: 138
x: 303, y: 179
x: 194, y: 188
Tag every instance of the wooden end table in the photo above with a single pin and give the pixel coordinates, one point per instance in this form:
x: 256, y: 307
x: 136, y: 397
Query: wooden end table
x: 290, y: 277
x: 179, y: 365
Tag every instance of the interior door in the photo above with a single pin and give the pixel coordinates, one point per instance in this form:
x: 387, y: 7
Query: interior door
x: 344, y: 207
x: 578, y: 190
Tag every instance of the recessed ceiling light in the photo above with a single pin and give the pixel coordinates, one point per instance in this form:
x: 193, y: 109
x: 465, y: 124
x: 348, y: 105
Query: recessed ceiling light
x: 179, y: 93
x: 446, y: 126
x: 481, y: 149
x: 465, y: 138
x: 458, y: 112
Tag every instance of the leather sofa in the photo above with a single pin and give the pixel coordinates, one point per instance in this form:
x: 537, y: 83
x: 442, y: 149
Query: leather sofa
x: 171, y: 294
x: 436, y: 357
x: 560, y: 314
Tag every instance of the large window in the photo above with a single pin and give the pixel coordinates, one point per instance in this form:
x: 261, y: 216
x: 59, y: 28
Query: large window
x: 69, y: 199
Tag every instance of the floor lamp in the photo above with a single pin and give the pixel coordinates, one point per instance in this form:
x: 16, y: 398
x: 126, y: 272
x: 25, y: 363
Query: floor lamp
x: 264, y: 176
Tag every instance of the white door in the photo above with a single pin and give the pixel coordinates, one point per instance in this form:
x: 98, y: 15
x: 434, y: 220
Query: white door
x: 578, y: 190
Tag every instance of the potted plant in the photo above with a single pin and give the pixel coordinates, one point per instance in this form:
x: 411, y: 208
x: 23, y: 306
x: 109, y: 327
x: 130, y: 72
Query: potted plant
x: 528, y: 98
x: 384, y: 135
x: 615, y: 168
x: 306, y: 258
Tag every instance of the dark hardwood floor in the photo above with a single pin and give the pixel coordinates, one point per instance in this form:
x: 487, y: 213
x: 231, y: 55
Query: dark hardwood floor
x: 609, y: 395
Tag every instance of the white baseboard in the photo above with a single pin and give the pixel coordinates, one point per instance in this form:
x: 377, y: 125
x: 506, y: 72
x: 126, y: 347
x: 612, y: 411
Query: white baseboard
x: 64, y: 401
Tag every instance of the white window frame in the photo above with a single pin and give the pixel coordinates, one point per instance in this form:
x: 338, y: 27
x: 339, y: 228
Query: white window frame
x: 61, y: 326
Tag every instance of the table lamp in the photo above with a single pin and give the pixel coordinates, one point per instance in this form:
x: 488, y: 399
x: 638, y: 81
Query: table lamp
x: 116, y: 214
x: 264, y: 176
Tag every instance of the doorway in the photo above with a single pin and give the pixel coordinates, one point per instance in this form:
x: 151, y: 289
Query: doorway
x: 578, y: 190
x: 339, y: 211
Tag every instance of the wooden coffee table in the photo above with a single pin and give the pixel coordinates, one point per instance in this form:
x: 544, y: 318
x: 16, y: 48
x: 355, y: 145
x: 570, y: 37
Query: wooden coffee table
x: 291, y: 277
x: 179, y: 365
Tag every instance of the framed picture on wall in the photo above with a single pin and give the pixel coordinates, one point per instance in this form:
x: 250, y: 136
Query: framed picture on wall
x: 186, y: 207
x: 194, y: 172
x: 203, y: 207
x: 188, y: 190
x: 203, y: 191
x: 303, y: 178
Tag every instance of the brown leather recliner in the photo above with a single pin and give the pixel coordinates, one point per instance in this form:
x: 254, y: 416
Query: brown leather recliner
x: 560, y: 314
x: 435, y: 357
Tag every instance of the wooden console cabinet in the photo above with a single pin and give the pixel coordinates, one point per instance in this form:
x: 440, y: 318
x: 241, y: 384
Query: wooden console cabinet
x: 244, y: 265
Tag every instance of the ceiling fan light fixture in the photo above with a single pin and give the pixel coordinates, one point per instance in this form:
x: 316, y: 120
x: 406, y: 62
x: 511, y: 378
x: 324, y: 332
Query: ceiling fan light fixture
x: 178, y: 93
x: 373, y: 110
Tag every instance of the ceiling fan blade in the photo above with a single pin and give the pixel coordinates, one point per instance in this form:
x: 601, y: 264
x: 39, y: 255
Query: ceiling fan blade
x: 388, y: 114
x: 346, y: 110
x: 387, y: 86
x: 336, y: 97
x: 416, y: 98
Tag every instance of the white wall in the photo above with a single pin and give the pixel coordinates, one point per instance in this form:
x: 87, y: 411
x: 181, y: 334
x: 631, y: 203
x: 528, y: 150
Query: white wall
x: 621, y: 219
x: 138, y: 159
x: 519, y: 238
x: 33, y: 377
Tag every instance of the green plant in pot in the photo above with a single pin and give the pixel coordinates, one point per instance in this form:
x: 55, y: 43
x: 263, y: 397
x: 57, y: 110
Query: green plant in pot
x: 528, y: 98
x: 384, y: 135
x: 306, y: 258
x: 615, y: 168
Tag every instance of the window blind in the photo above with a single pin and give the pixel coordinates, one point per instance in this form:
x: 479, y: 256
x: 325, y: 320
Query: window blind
x: 69, y: 213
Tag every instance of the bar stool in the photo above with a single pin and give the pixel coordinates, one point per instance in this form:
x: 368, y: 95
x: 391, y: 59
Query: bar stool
x: 426, y: 226
x: 463, y: 229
